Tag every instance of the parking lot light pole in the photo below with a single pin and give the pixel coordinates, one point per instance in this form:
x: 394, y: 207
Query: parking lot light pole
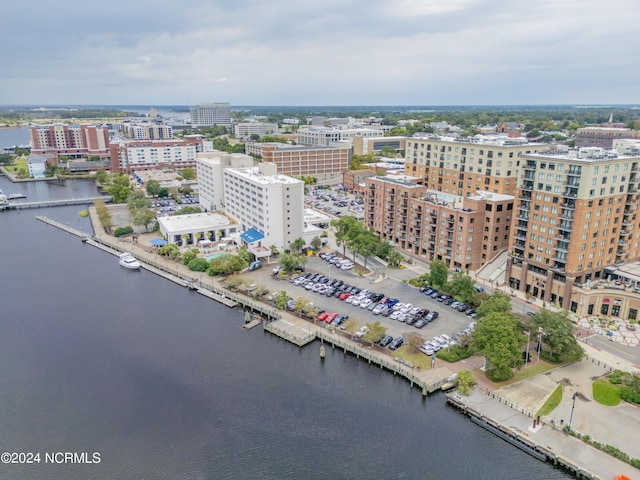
x: 575, y: 395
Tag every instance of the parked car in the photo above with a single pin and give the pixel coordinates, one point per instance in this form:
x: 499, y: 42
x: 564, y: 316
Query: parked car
x: 362, y: 332
x: 395, y: 315
x: 386, y: 340
x: 420, y: 323
x: 378, y: 309
x: 386, y: 311
x: 396, y: 343
x: 365, y: 303
x: 431, y: 316
x: 430, y: 291
x: 392, y: 302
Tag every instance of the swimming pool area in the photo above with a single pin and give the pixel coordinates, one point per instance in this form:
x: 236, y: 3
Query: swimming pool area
x: 213, y: 255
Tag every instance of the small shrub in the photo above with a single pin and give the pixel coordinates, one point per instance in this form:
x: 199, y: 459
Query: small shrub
x: 83, y: 213
x: 199, y: 265
x: 616, y: 377
x: 120, y: 231
x: 454, y: 354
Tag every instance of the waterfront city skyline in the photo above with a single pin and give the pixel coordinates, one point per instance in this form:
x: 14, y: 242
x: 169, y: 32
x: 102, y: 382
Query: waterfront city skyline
x: 463, y: 52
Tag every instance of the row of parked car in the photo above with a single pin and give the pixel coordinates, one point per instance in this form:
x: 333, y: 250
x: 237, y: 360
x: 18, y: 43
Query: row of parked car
x: 376, y: 303
x: 449, y: 300
x: 443, y: 341
x: 341, y: 263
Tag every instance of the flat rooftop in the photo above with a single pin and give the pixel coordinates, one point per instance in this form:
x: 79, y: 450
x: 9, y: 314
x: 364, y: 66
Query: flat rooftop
x: 194, y: 221
x: 254, y: 175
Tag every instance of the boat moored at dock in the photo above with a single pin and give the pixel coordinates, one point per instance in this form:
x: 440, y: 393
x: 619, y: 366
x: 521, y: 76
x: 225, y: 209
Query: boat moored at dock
x: 127, y: 260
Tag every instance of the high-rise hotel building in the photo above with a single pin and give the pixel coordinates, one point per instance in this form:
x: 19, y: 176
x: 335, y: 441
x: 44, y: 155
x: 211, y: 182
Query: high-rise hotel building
x: 463, y: 166
x: 576, y: 214
x: 209, y: 114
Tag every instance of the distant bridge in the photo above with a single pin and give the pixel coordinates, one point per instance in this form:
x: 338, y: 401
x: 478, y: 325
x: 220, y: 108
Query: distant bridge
x: 56, y: 203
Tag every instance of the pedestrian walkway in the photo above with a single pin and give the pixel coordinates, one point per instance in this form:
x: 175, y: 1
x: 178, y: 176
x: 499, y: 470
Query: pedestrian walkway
x: 562, y: 447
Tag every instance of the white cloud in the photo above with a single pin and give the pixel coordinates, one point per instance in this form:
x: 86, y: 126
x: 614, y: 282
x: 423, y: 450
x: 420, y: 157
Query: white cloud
x: 334, y: 52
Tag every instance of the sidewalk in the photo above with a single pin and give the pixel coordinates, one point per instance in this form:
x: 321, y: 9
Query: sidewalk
x: 564, y: 446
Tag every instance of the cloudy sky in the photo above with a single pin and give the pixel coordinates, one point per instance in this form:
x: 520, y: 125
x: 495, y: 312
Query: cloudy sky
x: 327, y: 52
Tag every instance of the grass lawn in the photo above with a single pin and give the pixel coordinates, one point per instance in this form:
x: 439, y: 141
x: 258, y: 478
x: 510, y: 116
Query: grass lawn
x: 529, y: 371
x: 419, y: 359
x: 552, y: 402
x: 606, y: 393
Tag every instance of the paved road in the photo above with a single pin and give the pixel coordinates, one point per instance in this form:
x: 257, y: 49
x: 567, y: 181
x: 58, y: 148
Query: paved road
x: 626, y: 352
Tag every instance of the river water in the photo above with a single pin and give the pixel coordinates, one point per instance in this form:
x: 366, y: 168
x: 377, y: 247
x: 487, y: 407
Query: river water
x: 164, y: 384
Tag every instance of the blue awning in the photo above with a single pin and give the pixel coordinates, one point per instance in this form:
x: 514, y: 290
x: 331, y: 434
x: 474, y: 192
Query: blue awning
x: 251, y: 235
x: 158, y: 242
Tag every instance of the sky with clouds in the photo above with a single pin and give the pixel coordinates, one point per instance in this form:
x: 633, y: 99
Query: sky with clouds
x: 328, y: 52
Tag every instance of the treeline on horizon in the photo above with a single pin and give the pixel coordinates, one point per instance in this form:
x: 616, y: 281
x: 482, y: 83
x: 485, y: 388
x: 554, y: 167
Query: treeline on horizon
x: 463, y: 116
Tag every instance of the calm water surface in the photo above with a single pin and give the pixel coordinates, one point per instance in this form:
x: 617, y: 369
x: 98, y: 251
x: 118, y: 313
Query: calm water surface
x: 164, y: 384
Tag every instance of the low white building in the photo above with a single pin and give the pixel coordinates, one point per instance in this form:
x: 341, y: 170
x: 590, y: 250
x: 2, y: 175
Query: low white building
x: 246, y: 129
x: 191, y: 229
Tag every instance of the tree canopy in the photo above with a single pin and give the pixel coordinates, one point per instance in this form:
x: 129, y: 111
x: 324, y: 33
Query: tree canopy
x: 499, y: 336
x: 557, y: 335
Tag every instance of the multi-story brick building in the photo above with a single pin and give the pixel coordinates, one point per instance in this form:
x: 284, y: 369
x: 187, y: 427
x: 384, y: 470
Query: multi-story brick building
x: 70, y: 140
x: 133, y: 155
x: 602, y: 137
x: 324, y: 163
x: 464, y: 232
x: 462, y: 166
x: 577, y: 214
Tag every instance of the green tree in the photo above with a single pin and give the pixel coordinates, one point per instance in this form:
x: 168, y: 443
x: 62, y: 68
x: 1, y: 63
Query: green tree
x: 281, y: 298
x: 497, y: 302
x: 376, y: 332
x: 438, y: 273
x: 102, y: 176
x: 462, y: 286
x: 163, y: 193
x: 557, y: 335
x: 153, y: 187
x: 143, y: 217
x: 297, y: 244
x: 415, y: 342
x: 346, y: 227
x: 316, y: 243
x: 198, y: 265
x: 388, y: 151
x: 366, y: 243
x: 499, y: 337
x: 465, y: 381
x: 188, y: 173
x: 289, y: 261
x: 189, y: 255
x: 395, y: 258
x: 187, y: 210
x: 170, y: 250
x: 351, y: 326
x: 137, y: 200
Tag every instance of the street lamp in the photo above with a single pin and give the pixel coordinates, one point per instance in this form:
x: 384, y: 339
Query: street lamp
x: 575, y: 395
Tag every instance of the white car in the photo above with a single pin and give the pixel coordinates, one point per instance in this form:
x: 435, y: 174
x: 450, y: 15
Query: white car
x: 395, y: 315
x: 443, y: 343
x: 426, y: 349
x: 362, y: 332
x: 397, y: 306
x: 406, y: 308
x: 415, y: 311
x: 378, y: 309
x: 403, y: 317
x: 365, y: 303
x: 347, y: 266
x: 434, y: 345
x: 356, y: 301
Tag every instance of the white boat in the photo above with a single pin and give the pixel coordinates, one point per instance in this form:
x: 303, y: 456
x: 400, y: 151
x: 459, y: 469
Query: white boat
x: 4, y: 203
x: 129, y: 261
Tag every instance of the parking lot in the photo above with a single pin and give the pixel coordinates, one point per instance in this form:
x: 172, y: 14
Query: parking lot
x: 448, y: 322
x: 335, y: 202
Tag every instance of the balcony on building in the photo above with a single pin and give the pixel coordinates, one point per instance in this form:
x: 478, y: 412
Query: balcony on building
x: 570, y: 192
x: 563, y: 248
x: 522, y: 216
x: 558, y: 268
x: 565, y: 226
x: 624, y: 233
x: 522, y: 226
x: 517, y: 236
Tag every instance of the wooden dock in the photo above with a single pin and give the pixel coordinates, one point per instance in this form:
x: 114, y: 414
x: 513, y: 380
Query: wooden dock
x: 252, y: 323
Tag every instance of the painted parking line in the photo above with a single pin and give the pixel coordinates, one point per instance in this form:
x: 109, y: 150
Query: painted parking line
x: 288, y: 323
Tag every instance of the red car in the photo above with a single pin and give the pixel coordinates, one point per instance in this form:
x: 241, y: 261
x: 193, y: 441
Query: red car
x: 331, y: 317
x: 344, y: 296
x: 323, y: 316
